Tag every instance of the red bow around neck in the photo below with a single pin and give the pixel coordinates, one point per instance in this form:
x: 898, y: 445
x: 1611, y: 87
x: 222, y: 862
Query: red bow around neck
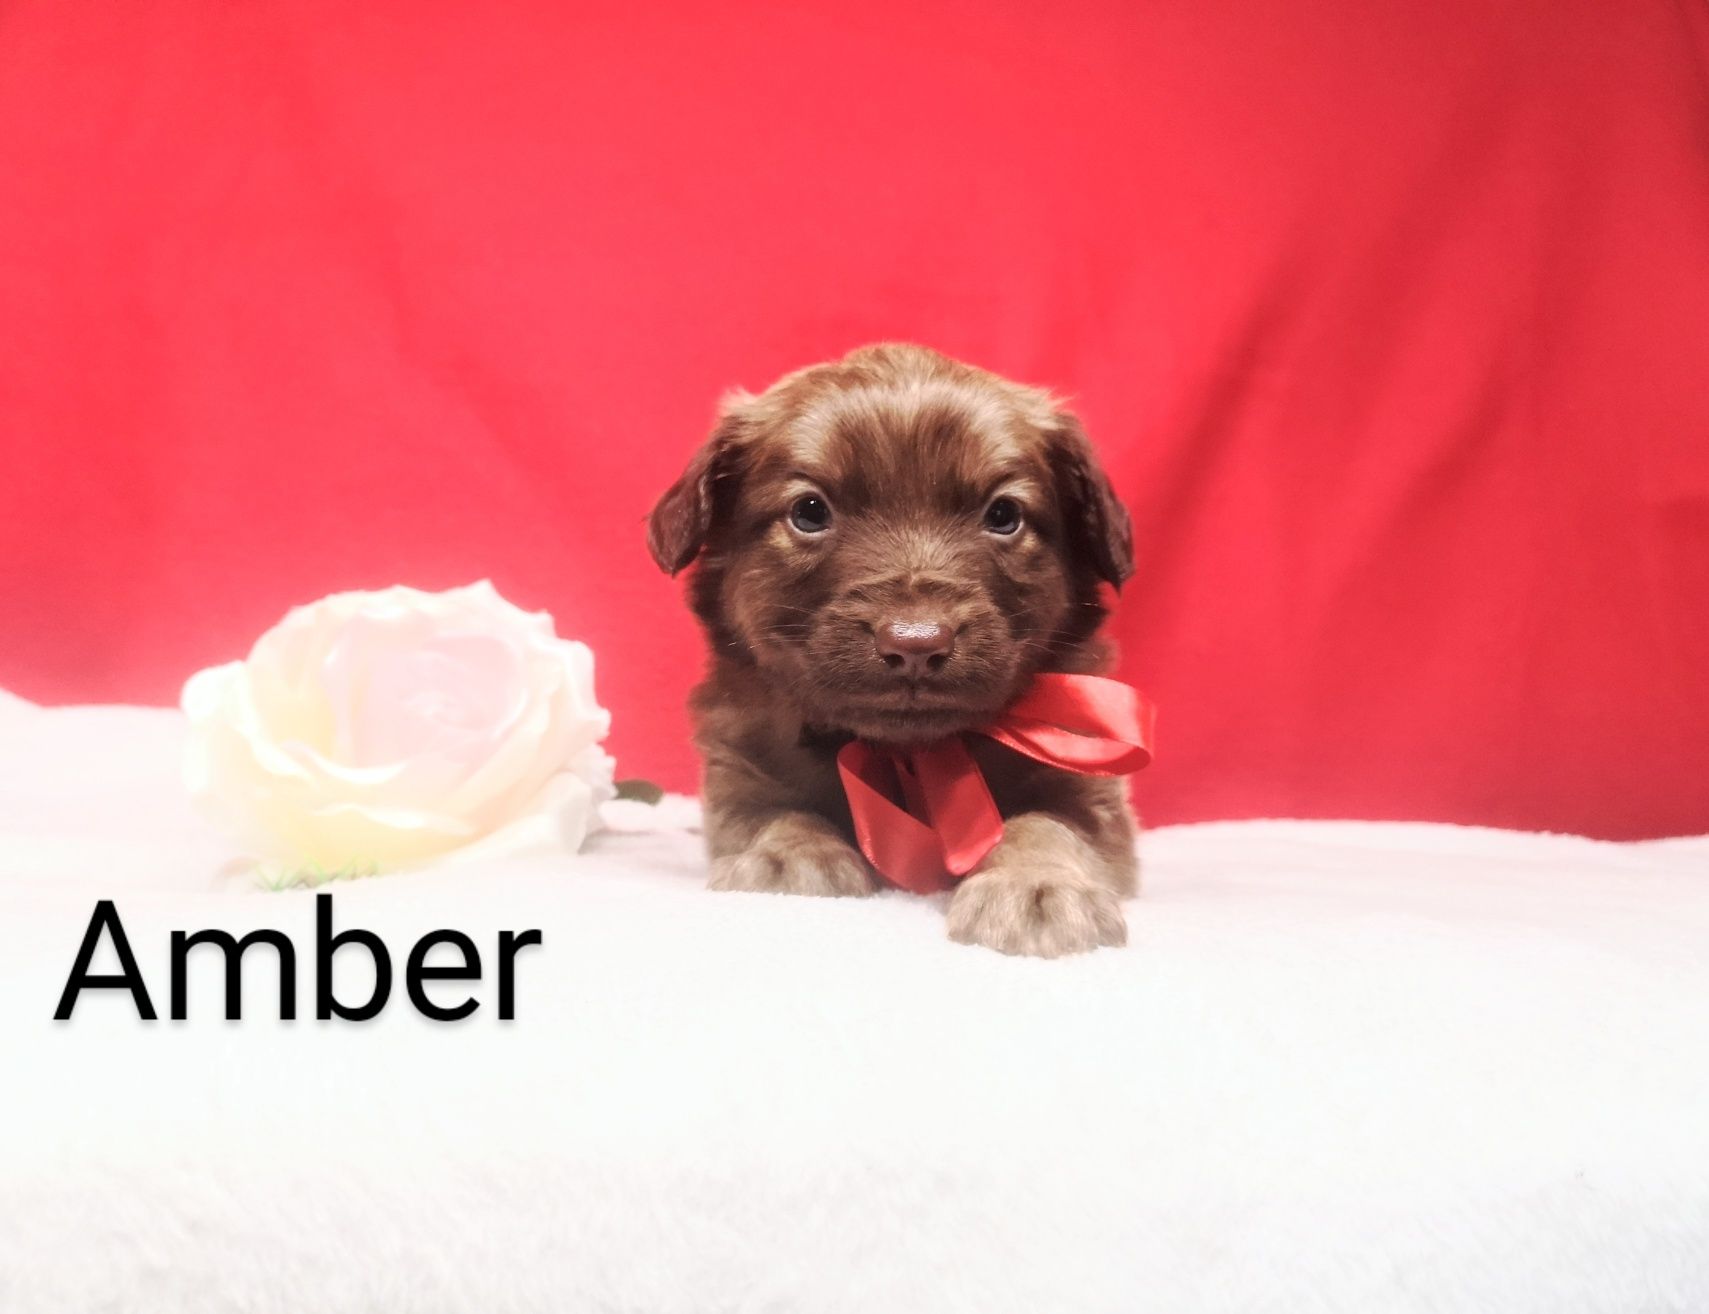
x: 925, y: 817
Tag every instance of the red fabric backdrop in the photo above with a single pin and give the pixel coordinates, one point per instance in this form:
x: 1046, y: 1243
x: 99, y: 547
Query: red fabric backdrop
x: 1392, y: 320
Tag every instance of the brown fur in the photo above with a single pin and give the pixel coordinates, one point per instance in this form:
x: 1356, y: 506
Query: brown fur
x: 908, y: 449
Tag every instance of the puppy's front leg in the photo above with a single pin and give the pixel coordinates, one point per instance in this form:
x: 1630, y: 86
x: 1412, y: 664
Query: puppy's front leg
x: 1043, y: 891
x: 787, y: 853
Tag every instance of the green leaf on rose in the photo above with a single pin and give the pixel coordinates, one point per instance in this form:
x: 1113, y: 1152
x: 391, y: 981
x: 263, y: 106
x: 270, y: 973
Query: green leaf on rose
x: 640, y: 791
x: 313, y: 875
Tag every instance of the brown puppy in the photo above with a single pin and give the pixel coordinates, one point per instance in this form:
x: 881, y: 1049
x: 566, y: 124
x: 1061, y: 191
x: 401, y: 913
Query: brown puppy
x: 891, y: 545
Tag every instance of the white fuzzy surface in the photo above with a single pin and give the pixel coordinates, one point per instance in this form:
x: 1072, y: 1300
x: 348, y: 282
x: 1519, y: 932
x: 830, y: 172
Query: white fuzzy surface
x: 1341, y: 1067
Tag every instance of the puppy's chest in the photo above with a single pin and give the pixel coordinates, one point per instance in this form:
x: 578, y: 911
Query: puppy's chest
x: 809, y: 769
x: 1017, y: 783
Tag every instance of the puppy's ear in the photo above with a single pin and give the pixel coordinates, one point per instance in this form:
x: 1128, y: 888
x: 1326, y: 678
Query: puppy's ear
x: 682, y: 519
x: 1095, y: 523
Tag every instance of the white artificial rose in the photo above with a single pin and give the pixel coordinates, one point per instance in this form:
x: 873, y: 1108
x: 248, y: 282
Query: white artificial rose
x: 376, y: 731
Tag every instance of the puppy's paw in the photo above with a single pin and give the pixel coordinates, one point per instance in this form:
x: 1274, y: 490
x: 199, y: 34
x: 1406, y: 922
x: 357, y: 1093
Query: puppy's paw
x: 794, y: 860
x: 1040, y: 912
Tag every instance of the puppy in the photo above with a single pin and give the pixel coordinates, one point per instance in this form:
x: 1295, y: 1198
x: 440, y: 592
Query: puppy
x: 890, y: 547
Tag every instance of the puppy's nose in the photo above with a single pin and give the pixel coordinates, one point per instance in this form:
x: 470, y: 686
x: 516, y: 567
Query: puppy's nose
x: 914, y: 648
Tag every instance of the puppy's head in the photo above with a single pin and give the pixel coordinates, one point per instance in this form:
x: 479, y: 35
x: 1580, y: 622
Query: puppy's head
x: 897, y: 541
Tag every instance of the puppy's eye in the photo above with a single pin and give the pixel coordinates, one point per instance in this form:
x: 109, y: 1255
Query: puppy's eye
x: 1003, y: 516
x: 810, y: 515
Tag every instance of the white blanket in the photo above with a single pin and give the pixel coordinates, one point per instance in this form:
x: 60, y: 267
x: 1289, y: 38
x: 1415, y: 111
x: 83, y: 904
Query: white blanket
x: 1341, y: 1067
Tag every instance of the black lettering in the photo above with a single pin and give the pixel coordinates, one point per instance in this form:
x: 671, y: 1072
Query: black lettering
x: 105, y: 917
x: 326, y: 945
x: 509, y: 942
x: 418, y: 972
x: 233, y: 949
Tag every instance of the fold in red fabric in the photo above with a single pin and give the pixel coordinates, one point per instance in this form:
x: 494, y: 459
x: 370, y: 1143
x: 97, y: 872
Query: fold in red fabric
x: 924, y: 817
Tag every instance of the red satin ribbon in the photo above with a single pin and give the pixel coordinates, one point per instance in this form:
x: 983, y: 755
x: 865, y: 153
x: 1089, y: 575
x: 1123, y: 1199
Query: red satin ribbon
x: 925, y: 817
